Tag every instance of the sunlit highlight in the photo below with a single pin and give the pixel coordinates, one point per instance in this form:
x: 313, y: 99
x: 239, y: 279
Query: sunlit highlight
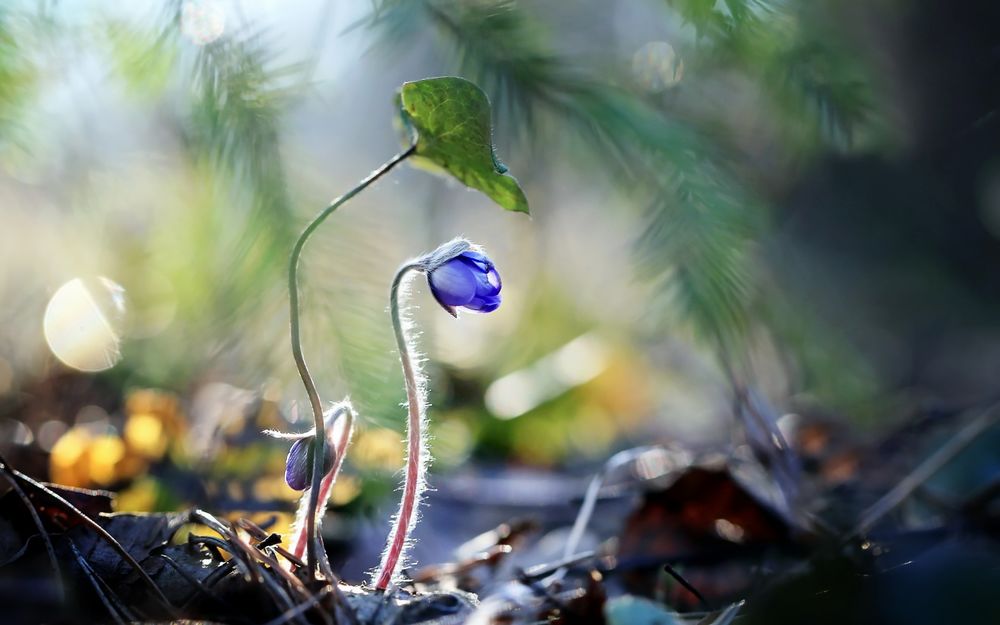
x: 573, y: 364
x: 202, y: 22
x: 82, y: 324
x: 656, y: 67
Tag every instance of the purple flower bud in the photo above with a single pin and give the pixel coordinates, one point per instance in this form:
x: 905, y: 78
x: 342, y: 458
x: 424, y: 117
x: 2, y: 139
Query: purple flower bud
x: 298, y: 466
x: 468, y: 281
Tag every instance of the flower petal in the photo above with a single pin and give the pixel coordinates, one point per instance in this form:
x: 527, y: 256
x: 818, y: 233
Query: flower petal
x: 298, y: 465
x: 453, y: 283
x: 484, y: 304
x: 493, y: 277
x: 487, y: 284
x: 477, y: 260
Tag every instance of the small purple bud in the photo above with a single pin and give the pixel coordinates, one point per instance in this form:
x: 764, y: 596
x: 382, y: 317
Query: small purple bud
x: 469, y: 280
x: 298, y: 466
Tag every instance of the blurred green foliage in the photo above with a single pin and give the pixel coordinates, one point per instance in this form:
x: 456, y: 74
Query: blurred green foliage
x: 18, y: 78
x: 688, y: 143
x: 675, y: 164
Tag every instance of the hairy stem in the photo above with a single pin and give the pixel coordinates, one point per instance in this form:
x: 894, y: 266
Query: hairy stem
x: 416, y: 463
x: 300, y: 361
x: 300, y: 533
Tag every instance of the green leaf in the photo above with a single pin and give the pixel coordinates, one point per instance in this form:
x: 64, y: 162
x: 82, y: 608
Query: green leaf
x: 449, y: 120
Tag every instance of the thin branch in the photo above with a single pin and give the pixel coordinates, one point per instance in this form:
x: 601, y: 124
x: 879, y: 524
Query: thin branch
x: 12, y: 478
x: 301, y: 608
x: 620, y: 459
x: 926, y: 469
x: 250, y: 556
x: 259, y: 534
x: 196, y: 584
x: 686, y: 584
x: 215, y: 576
x: 92, y: 578
x: 93, y: 525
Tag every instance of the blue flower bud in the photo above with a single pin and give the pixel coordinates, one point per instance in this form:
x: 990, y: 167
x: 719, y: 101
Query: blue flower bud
x: 469, y: 280
x: 298, y: 466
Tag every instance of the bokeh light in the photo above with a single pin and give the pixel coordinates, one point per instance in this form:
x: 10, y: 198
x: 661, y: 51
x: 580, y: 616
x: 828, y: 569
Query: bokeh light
x: 105, y: 454
x: 15, y: 432
x: 69, y: 458
x: 451, y: 442
x: 49, y: 434
x: 83, y: 322
x: 202, y: 22
x: 144, y: 433
x: 656, y: 66
x: 573, y: 364
x: 378, y: 449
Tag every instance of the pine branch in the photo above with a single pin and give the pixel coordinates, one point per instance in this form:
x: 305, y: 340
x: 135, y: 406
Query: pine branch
x: 697, y: 233
x: 810, y: 75
x: 240, y: 98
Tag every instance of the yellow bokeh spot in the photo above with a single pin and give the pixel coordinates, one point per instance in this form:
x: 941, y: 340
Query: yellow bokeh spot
x: 68, y: 449
x: 81, y: 458
x: 345, y: 489
x: 105, y: 453
x: 141, y: 496
x: 144, y: 435
x: 380, y: 448
x: 150, y: 400
x: 67, y: 461
x: 161, y: 405
x: 273, y: 488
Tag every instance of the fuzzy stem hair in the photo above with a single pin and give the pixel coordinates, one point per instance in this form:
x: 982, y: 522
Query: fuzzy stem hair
x: 340, y: 427
x: 417, y: 457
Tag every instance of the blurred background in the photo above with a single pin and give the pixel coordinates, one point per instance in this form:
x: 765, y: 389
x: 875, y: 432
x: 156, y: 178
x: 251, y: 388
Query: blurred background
x: 790, y: 206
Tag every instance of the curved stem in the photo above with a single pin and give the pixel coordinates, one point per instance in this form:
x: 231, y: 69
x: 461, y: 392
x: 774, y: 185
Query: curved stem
x: 300, y: 361
x: 300, y: 533
x: 415, y: 456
